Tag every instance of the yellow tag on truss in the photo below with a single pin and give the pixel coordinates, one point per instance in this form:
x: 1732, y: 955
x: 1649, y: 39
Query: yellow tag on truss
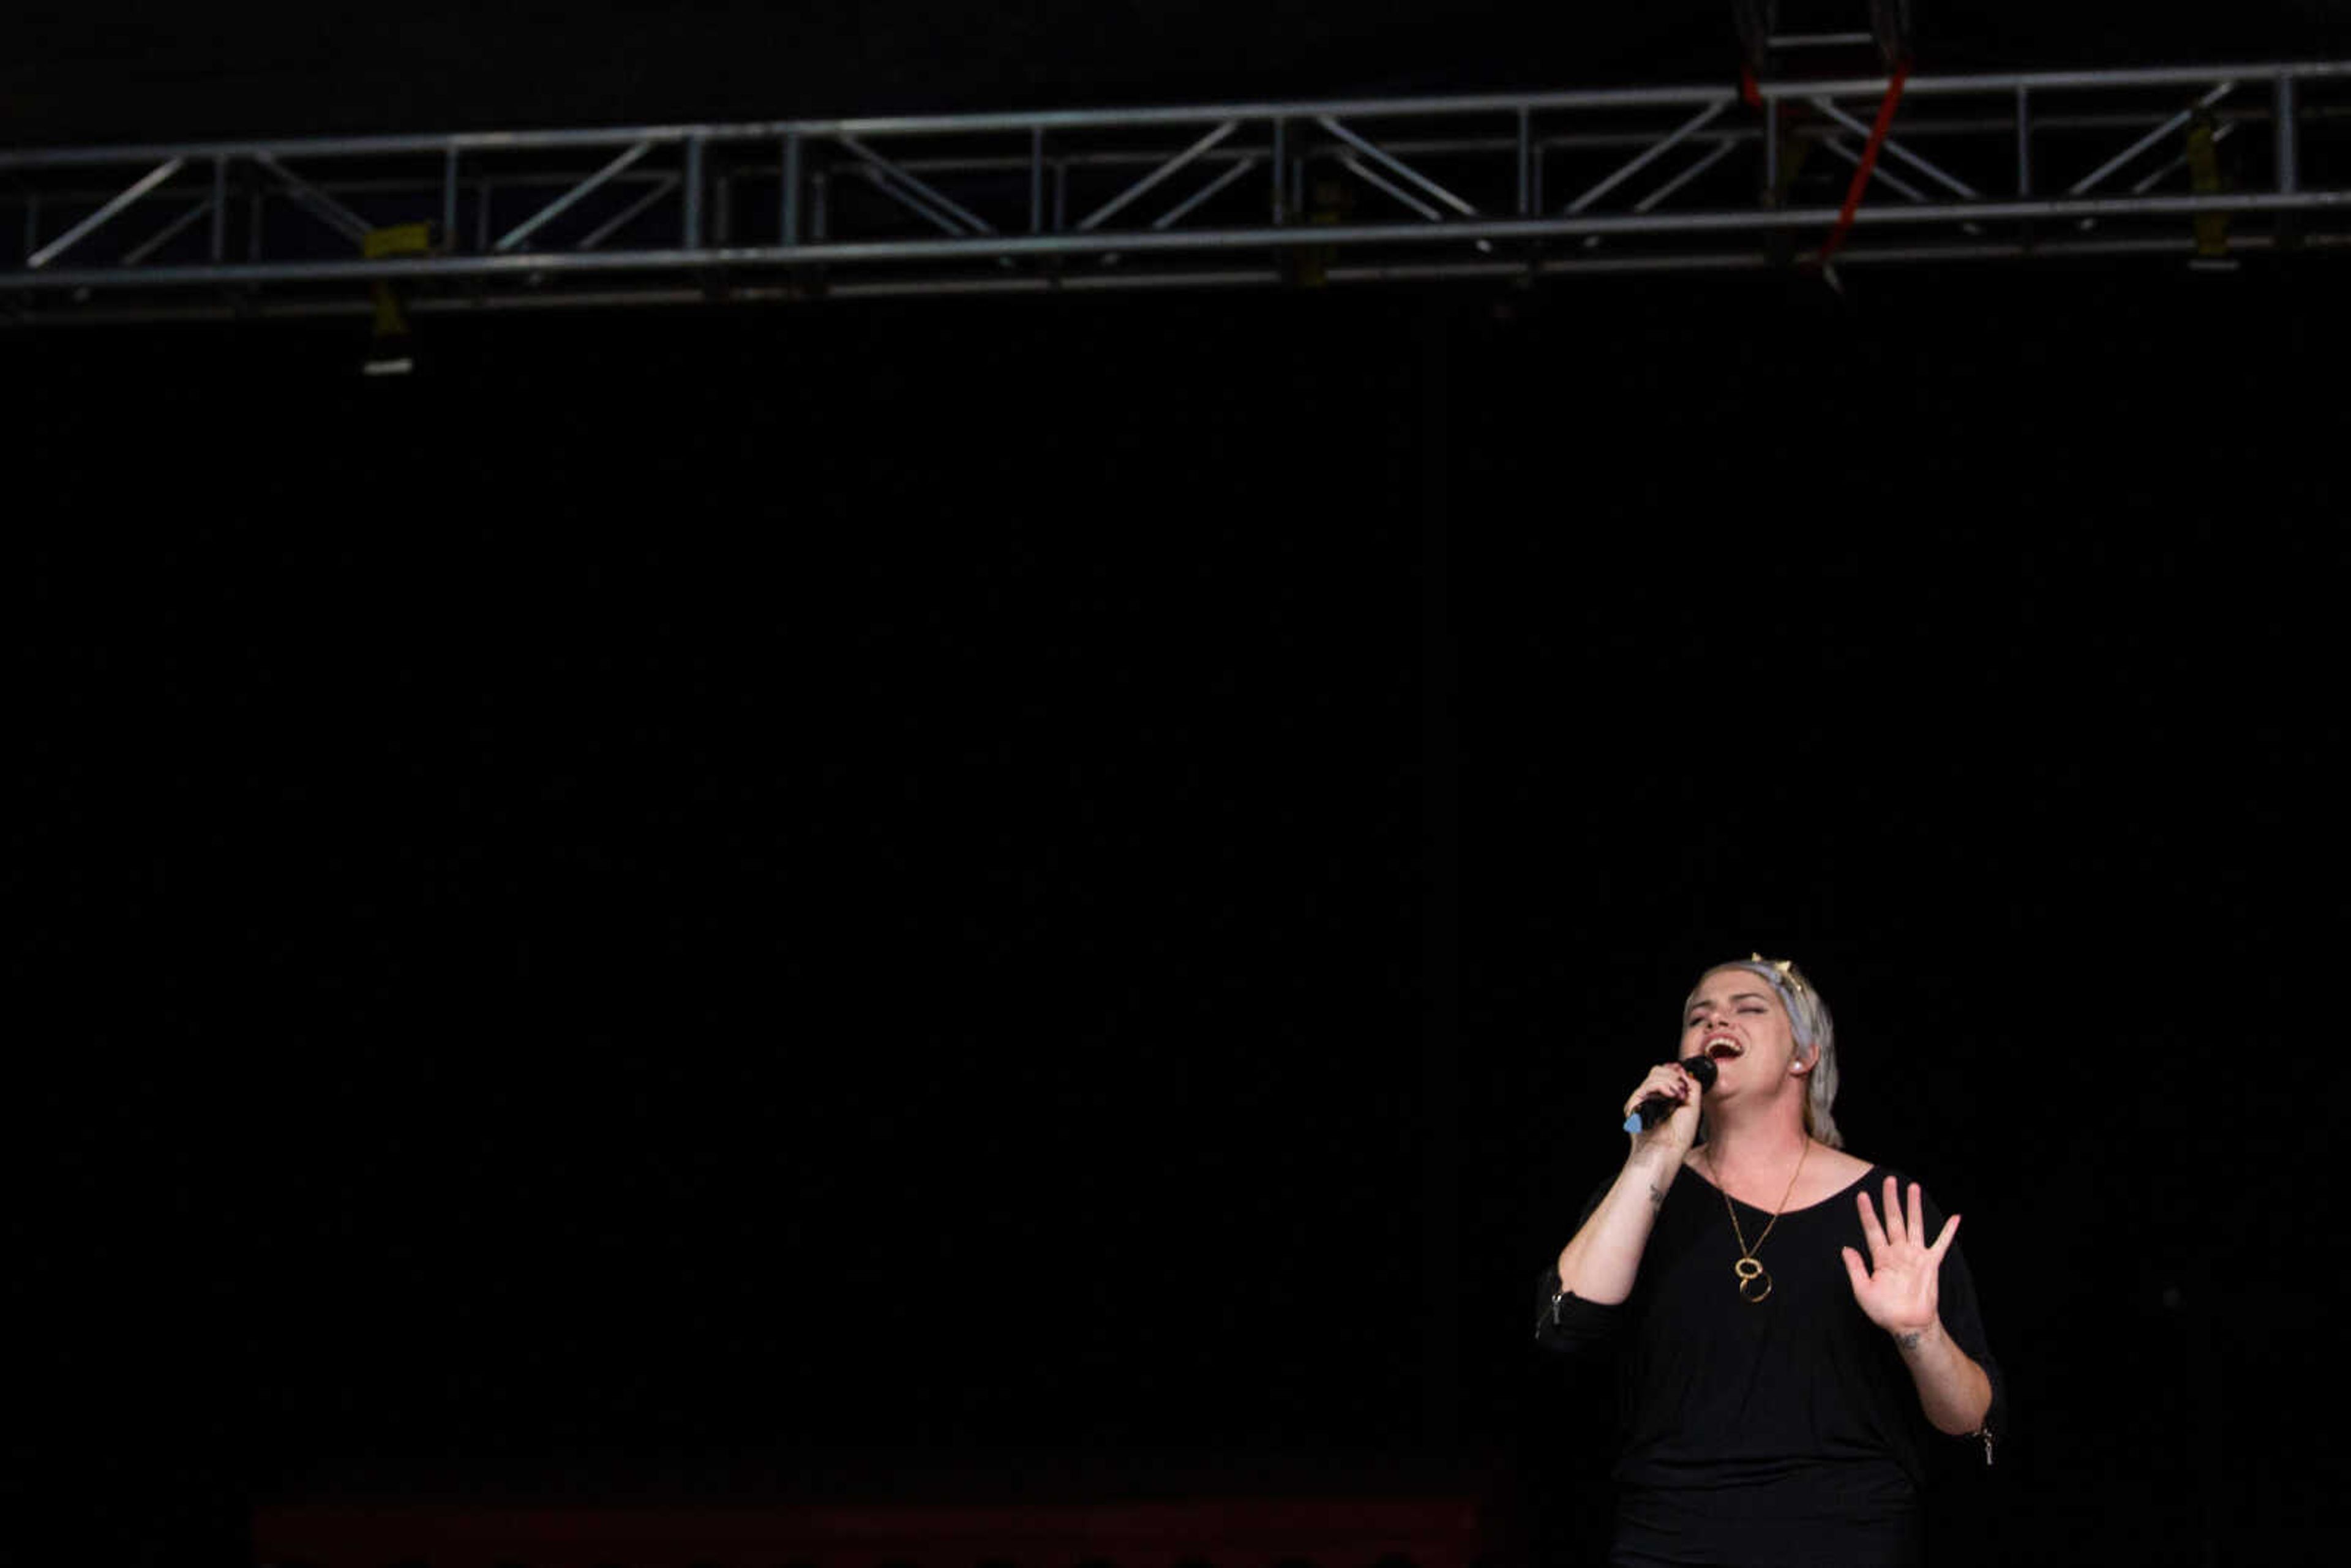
x: 400, y: 239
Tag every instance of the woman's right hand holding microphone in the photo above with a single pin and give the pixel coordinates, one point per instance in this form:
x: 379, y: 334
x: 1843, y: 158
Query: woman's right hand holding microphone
x: 1676, y: 1133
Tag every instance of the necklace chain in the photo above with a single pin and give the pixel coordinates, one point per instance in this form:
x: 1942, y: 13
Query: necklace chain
x: 1754, y: 1280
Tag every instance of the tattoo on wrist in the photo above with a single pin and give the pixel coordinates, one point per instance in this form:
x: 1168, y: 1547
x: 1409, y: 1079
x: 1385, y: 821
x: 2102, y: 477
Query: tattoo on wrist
x: 1911, y: 1341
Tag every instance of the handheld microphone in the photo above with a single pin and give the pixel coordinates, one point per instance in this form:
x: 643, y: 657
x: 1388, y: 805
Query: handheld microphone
x: 1655, y: 1108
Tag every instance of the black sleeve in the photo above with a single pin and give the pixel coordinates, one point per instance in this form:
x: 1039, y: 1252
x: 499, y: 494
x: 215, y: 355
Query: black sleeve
x: 1565, y: 1322
x: 1570, y: 1324
x: 1963, y: 1320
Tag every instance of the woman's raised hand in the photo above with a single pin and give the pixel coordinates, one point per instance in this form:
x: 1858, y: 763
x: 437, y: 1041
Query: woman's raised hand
x: 1899, y: 1290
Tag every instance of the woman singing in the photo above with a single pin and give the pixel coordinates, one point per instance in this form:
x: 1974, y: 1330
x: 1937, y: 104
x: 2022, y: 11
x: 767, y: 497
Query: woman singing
x: 1792, y: 1326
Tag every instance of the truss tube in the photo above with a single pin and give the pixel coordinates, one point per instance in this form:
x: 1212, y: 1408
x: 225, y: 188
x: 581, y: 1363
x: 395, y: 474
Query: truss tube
x: 1593, y: 99
x: 788, y: 220
x: 449, y: 197
x: 1037, y: 180
x: 1498, y: 230
x: 1526, y: 207
x: 2024, y: 142
x: 2289, y: 172
x: 1258, y: 278
x: 2052, y: 81
x: 1281, y: 170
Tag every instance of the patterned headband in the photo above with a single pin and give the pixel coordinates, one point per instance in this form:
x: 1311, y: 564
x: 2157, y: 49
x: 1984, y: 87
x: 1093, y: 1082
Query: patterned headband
x: 1781, y: 973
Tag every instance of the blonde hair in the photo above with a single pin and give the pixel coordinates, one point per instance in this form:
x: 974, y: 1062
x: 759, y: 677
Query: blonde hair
x: 1815, y: 1031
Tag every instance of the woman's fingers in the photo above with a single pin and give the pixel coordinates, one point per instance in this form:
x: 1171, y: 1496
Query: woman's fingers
x: 1901, y: 1231
x: 1854, y: 1270
x: 1666, y: 1079
x: 1871, y: 1231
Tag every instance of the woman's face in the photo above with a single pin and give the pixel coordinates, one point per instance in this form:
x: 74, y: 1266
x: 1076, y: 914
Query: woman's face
x: 1736, y: 1017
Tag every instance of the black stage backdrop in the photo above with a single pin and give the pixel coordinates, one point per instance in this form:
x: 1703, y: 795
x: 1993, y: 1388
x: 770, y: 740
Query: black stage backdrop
x: 705, y: 890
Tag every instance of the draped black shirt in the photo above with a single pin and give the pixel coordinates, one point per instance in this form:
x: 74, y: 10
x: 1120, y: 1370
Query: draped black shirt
x: 1782, y: 1430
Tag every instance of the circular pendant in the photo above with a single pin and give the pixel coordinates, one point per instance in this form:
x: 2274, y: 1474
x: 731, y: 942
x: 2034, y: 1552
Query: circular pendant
x: 1754, y: 1284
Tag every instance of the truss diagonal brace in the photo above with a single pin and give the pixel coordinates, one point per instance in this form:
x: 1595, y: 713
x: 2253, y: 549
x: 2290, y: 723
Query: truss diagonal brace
x: 76, y: 235
x: 2148, y: 183
x: 1088, y: 223
x: 899, y: 183
x: 1395, y: 165
x: 1355, y: 166
x: 1648, y: 156
x: 562, y: 204
x: 642, y: 204
x: 1949, y: 181
x: 2083, y: 185
x: 165, y: 236
x: 315, y: 201
x: 1880, y: 175
x: 1174, y: 214
x: 1706, y: 161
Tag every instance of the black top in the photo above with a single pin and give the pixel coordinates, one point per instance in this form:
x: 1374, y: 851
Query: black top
x: 1784, y: 1430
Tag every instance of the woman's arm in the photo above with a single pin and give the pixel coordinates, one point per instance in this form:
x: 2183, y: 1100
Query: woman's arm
x: 1952, y: 1389
x: 1900, y: 1292
x: 1601, y: 1262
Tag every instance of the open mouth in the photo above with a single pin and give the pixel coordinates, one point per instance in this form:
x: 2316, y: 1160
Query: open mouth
x: 1723, y: 1049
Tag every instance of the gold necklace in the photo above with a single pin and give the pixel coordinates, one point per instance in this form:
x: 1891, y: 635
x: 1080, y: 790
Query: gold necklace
x: 1749, y: 1270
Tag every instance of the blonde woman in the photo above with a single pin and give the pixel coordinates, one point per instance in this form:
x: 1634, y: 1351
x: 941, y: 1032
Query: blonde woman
x: 1792, y: 1326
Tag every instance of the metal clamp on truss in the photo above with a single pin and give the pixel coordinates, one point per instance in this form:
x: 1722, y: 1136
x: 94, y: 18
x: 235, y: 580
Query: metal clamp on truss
x: 1777, y: 45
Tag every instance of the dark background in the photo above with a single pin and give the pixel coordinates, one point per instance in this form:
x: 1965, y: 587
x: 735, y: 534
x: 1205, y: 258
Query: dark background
x: 1054, y: 895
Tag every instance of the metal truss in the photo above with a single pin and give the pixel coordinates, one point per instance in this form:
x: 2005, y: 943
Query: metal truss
x: 2191, y: 162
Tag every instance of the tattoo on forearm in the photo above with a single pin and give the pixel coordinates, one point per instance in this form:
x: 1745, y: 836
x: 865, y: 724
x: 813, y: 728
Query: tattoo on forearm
x: 1656, y: 1195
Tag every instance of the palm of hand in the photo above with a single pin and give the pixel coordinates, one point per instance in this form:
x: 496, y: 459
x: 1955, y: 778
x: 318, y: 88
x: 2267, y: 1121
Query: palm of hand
x: 1898, y: 1290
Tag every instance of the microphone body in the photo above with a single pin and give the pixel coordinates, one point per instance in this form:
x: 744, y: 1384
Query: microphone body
x: 1655, y: 1108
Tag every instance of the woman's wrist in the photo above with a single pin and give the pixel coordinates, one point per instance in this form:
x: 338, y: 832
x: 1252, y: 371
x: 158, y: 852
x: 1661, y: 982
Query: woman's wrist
x: 1922, y: 1340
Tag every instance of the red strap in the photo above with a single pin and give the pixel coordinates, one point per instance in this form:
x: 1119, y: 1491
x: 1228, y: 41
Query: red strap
x: 1863, y: 170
